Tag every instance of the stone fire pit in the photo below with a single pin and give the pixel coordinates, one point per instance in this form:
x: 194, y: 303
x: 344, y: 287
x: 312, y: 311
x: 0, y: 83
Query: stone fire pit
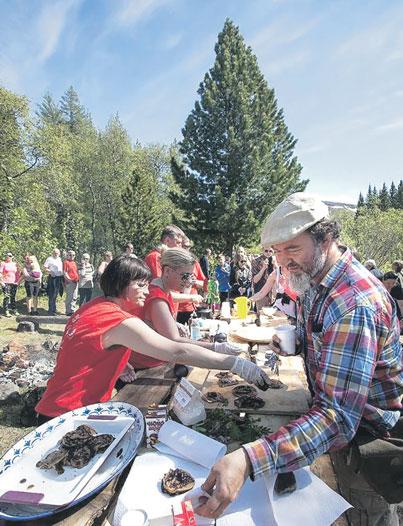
x: 24, y: 372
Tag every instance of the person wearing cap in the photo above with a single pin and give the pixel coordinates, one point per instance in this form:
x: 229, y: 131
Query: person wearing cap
x: 86, y: 282
x: 9, y: 278
x: 349, y: 339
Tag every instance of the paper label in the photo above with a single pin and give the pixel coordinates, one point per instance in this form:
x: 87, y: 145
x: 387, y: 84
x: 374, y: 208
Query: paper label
x: 184, y: 393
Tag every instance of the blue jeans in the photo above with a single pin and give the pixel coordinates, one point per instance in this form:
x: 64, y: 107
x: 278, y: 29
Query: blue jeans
x: 54, y: 284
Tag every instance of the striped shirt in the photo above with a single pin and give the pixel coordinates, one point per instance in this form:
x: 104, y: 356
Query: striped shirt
x: 350, y: 335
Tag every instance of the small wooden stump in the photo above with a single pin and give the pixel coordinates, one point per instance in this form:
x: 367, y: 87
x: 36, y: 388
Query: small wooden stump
x: 27, y: 326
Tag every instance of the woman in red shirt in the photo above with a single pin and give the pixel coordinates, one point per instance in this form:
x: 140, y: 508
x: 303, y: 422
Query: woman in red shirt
x: 177, y: 265
x: 101, y: 335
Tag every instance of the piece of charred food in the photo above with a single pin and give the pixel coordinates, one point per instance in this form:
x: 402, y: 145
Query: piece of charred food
x: 54, y: 460
x: 241, y: 390
x: 226, y: 379
x: 249, y: 402
x: 78, y: 437
x: 177, y: 481
x: 285, y: 483
x: 215, y: 397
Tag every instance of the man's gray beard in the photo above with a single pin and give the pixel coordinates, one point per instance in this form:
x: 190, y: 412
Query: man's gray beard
x: 301, y: 282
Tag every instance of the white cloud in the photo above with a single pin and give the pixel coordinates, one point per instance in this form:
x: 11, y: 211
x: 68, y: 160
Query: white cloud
x: 383, y: 37
x: 281, y: 32
x: 286, y: 62
x: 50, y: 26
x: 390, y: 126
x: 132, y: 11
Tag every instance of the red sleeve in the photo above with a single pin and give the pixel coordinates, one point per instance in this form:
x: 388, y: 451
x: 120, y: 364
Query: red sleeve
x: 153, y: 260
x: 199, y: 275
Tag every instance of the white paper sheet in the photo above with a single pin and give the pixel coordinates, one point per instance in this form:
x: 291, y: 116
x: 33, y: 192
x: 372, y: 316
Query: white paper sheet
x: 142, y: 489
x: 251, y: 508
x: 179, y: 440
x: 314, y: 503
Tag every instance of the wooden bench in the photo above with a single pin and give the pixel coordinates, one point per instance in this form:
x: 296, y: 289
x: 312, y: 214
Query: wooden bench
x: 37, y: 320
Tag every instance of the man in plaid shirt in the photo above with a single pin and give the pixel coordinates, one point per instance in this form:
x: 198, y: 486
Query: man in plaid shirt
x: 349, y: 335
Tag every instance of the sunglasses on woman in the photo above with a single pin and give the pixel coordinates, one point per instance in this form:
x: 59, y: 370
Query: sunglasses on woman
x: 185, y: 276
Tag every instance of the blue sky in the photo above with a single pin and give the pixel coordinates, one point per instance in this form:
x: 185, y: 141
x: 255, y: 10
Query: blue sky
x: 336, y: 67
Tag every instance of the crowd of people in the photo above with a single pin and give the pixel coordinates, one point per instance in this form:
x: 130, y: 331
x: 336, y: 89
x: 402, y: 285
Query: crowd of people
x: 257, y: 277
x: 346, y: 319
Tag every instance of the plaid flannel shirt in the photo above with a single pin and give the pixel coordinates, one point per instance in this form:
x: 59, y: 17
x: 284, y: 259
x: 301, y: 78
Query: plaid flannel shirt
x: 353, y: 358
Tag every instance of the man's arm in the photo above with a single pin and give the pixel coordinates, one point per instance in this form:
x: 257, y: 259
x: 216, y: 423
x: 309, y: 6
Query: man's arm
x: 346, y: 360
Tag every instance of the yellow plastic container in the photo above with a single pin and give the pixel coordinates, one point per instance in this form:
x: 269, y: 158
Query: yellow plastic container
x: 243, y: 304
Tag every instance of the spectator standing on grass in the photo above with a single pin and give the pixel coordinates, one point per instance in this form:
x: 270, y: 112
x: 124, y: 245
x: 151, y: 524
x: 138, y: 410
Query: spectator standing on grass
x: 71, y: 279
x: 262, y: 267
x: 54, y: 269
x: 371, y: 266
x: 204, y: 263
x: 9, y: 277
x: 222, y: 272
x: 86, y: 283
x: 32, y: 276
x: 241, y: 279
x: 96, y: 291
x: 129, y: 250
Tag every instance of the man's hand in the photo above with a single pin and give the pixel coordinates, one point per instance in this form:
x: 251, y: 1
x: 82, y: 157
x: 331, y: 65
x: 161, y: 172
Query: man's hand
x: 224, y: 482
x: 275, y: 345
x: 128, y: 374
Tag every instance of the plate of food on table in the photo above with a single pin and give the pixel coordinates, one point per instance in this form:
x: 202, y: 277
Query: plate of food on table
x: 67, y: 459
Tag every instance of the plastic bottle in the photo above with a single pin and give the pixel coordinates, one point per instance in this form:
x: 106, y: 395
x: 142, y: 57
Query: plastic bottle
x: 195, y: 329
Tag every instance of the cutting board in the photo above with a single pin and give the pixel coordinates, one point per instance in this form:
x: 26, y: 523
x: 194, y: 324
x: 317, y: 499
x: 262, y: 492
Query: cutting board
x: 292, y: 399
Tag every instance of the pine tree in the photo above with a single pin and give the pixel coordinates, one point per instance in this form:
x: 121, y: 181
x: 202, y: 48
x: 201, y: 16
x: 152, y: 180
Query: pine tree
x: 384, y: 202
x: 143, y: 212
x: 399, y: 197
x: 360, y: 205
x: 369, y: 196
x: 73, y: 113
x: 393, y: 195
x: 238, y: 157
x: 48, y: 111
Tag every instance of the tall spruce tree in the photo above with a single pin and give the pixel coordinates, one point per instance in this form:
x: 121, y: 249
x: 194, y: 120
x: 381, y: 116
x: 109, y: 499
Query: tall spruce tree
x: 74, y: 114
x: 393, y: 195
x: 360, y: 205
x: 238, y: 157
x: 384, y: 201
x: 399, y: 197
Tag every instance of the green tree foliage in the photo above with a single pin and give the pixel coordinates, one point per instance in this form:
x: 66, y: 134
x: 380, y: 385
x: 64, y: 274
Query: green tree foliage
x: 393, y: 195
x: 384, y: 202
x: 399, y: 198
x: 237, y: 153
x: 373, y: 234
x: 144, y: 211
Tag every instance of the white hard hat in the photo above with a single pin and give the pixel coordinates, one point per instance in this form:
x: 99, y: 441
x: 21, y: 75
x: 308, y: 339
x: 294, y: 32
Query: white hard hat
x: 293, y: 216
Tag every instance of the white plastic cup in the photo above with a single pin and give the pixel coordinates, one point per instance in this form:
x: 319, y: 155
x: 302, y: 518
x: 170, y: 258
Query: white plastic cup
x: 225, y: 310
x: 135, y: 518
x: 286, y: 335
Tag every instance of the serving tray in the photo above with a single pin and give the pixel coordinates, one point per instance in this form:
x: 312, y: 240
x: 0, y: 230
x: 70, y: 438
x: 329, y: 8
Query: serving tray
x: 27, y: 492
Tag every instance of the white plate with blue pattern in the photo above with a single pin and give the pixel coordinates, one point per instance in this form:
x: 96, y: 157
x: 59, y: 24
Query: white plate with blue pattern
x: 26, y: 491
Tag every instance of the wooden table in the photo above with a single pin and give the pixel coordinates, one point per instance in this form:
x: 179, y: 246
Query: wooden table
x: 156, y: 386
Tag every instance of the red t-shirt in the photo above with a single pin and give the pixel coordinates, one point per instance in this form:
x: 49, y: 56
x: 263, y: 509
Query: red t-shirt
x: 153, y: 260
x: 70, y: 267
x: 188, y: 305
x: 85, y: 371
x: 141, y: 361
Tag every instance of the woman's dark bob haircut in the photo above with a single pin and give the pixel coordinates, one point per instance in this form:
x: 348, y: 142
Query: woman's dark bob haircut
x: 120, y: 272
